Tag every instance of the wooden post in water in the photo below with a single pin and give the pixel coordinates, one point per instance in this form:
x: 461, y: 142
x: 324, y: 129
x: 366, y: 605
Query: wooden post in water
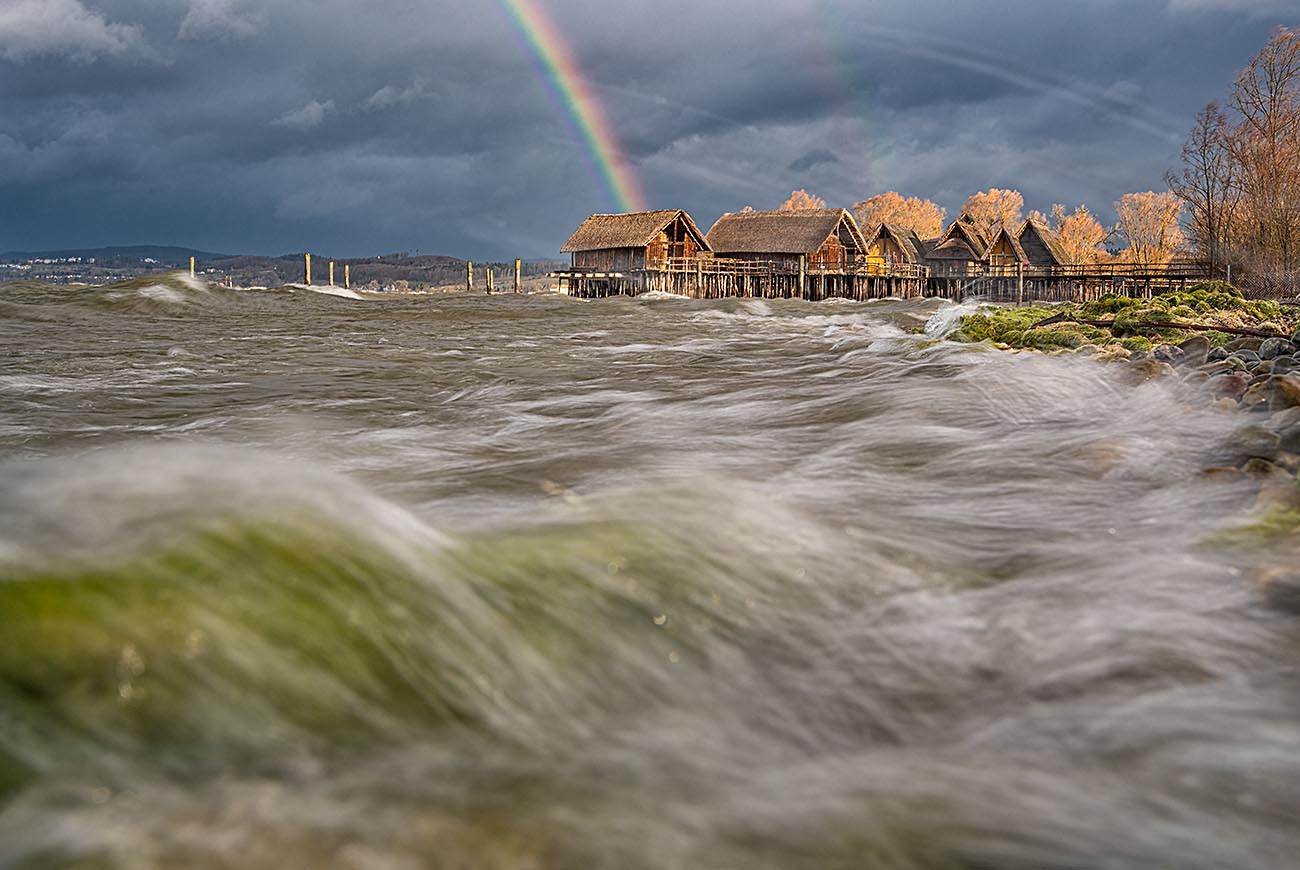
x: 803, y: 274
x: 517, y: 281
x: 489, y: 280
x: 469, y: 275
x: 191, y: 267
x: 347, y: 275
x: 331, y: 273
x: 308, y: 268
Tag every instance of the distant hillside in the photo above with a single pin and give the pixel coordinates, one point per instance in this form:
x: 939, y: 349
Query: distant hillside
x: 104, y: 265
x: 427, y: 270
x: 423, y: 269
x: 167, y: 255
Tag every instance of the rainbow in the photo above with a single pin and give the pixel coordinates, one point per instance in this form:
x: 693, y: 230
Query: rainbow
x: 580, y: 101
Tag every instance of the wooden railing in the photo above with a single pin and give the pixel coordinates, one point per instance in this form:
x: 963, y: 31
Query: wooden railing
x: 1107, y: 271
x: 733, y: 266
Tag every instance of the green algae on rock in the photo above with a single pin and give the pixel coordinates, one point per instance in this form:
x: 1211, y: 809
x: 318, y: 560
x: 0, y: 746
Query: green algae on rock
x: 1136, y: 325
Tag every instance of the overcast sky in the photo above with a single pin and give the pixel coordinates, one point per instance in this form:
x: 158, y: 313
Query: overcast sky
x: 353, y: 128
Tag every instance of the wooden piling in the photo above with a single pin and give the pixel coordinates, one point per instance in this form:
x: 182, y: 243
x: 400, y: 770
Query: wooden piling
x: 469, y: 275
x: 517, y: 278
x: 803, y: 275
x: 307, y: 260
x: 347, y: 275
x: 489, y: 280
x: 331, y: 273
x: 191, y: 267
x: 1020, y: 284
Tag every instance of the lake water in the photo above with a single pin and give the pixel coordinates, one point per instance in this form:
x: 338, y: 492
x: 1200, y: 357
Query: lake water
x: 294, y: 580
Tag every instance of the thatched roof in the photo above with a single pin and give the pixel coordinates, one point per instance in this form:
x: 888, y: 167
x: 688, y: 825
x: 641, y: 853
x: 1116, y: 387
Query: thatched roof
x: 605, y: 231
x: 781, y: 232
x: 961, y: 241
x: 953, y: 249
x: 1049, y: 237
x: 912, y: 246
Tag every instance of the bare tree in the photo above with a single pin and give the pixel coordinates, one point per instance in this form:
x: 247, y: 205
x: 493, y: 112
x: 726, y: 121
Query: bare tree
x: 921, y: 216
x: 1149, y: 223
x: 1207, y: 184
x: 802, y: 200
x: 993, y: 208
x: 1266, y: 149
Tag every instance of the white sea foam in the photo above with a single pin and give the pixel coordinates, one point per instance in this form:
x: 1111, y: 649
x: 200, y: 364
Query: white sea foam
x: 327, y: 290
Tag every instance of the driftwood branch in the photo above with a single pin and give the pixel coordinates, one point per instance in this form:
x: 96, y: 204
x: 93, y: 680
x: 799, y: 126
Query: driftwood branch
x: 1160, y: 324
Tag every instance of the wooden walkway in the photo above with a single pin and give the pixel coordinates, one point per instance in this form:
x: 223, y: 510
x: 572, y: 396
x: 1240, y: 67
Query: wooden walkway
x: 717, y: 278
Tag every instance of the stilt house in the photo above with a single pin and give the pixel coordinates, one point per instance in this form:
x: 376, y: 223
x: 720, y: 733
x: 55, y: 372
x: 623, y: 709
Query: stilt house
x: 1004, y: 252
x: 964, y: 251
x: 1042, y: 246
x: 828, y: 237
x: 634, y: 242
x: 958, y: 252
x: 888, y: 246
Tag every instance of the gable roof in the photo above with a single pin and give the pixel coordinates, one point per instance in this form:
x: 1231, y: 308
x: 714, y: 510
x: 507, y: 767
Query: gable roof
x: 905, y: 239
x: 1050, y: 238
x: 1015, y: 244
x: 636, y: 230
x: 953, y: 249
x: 960, y: 238
x: 780, y: 232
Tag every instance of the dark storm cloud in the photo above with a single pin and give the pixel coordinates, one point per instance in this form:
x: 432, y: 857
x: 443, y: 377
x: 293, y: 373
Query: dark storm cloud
x: 816, y: 157
x: 409, y: 124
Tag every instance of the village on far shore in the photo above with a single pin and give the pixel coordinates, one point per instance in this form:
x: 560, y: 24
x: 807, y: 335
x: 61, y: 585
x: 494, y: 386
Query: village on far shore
x: 807, y: 251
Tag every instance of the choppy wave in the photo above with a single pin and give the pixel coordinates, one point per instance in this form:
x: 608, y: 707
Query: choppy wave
x: 526, y: 584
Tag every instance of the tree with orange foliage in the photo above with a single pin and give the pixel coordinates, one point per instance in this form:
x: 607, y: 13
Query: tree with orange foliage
x: 1080, y: 234
x: 993, y: 208
x: 1149, y: 223
x: 802, y: 200
x: 921, y: 216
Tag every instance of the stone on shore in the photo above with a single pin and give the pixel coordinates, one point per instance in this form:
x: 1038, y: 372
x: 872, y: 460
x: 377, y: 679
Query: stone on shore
x: 1195, y: 350
x: 1285, y: 392
x: 1254, y: 442
x: 1231, y: 385
x: 1216, y: 354
x: 1274, y: 347
x: 1143, y: 370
